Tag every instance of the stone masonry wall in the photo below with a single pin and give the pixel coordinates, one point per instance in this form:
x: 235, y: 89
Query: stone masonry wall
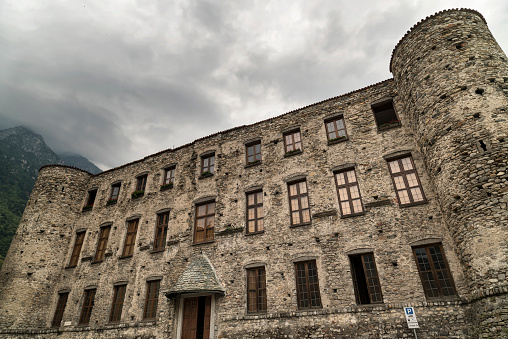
x: 385, y: 229
x: 454, y: 86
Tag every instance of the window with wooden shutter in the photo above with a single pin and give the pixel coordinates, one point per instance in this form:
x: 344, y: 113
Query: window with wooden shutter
x: 161, y: 231
x: 151, y: 299
x: 76, y: 250
x: 255, y: 212
x: 88, y: 303
x: 434, y: 271
x: 116, y: 307
x: 130, y: 238
x: 299, y: 203
x: 102, y: 244
x: 60, y: 308
x: 256, y: 290
x: 307, y: 285
x: 205, y: 222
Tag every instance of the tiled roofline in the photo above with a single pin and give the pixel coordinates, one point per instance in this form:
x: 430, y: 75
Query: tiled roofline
x: 243, y: 126
x: 446, y: 11
x: 64, y: 166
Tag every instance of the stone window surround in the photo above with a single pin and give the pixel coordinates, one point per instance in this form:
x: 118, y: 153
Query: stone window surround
x: 331, y: 118
x: 207, y: 155
x: 164, y: 171
x: 137, y: 177
x: 101, y: 227
x: 126, y: 225
x: 157, y: 213
x: 246, y: 145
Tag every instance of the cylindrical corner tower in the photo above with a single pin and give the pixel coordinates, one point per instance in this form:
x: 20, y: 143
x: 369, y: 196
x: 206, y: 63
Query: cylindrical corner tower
x: 452, y: 77
x: 38, y: 250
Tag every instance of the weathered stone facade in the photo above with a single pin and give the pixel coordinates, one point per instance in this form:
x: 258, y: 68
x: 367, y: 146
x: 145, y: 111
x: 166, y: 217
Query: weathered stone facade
x: 450, y: 91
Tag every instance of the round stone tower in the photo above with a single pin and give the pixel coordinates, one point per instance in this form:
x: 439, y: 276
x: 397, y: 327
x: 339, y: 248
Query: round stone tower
x: 40, y: 247
x: 452, y: 77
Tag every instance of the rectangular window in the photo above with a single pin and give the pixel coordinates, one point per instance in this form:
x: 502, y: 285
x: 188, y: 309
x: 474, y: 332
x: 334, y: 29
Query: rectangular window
x: 299, y: 203
x: 86, y: 310
x: 434, y: 272
x: 385, y: 115
x: 256, y: 290
x: 406, y: 181
x: 253, y: 152
x: 141, y: 182
x: 255, y: 212
x: 151, y: 300
x: 91, y: 197
x: 292, y: 142
x: 335, y: 129
x: 205, y: 222
x: 169, y: 175
x: 115, y: 191
x: 350, y: 200
x: 116, y: 307
x: 207, y: 164
x: 78, y: 243
x: 307, y: 285
x: 60, y: 308
x: 102, y: 244
x: 365, y: 279
x: 161, y: 231
x: 130, y: 238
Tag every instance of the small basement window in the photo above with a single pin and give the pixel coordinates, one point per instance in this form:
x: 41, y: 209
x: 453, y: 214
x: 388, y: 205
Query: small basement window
x: 385, y: 115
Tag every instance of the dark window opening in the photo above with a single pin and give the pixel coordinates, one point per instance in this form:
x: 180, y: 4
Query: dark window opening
x: 60, y: 308
x: 365, y: 279
x: 483, y: 145
x: 385, y: 115
x: 91, y: 197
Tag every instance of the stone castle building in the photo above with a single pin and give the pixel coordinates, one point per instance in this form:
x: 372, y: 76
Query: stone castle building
x: 320, y: 223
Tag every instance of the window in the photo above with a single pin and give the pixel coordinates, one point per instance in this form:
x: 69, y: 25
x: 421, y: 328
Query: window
x: 207, y: 164
x: 205, y: 222
x: 434, y: 272
x: 60, y: 308
x: 141, y: 182
x: 161, y: 231
x: 365, y: 279
x: 292, y: 142
x: 299, y: 203
x: 115, y: 191
x: 117, y: 305
x: 152, y: 299
x: 169, y: 175
x: 406, y: 181
x: 91, y: 197
x: 253, y: 152
x: 307, y: 285
x: 130, y: 239
x: 78, y: 243
x: 350, y: 201
x: 256, y: 290
x: 103, y: 242
x: 335, y: 129
x: 255, y: 212
x: 88, y: 302
x: 385, y: 116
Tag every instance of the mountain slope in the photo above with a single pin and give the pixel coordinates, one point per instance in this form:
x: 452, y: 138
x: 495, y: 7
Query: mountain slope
x: 22, y: 153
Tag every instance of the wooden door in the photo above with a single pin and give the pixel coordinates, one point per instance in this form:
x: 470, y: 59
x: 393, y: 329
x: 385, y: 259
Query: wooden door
x: 196, y: 318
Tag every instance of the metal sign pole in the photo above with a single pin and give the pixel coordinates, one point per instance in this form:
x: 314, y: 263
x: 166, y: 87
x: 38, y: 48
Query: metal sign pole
x: 414, y: 329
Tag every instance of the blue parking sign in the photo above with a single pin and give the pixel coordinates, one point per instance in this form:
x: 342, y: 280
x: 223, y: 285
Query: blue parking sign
x: 409, y: 310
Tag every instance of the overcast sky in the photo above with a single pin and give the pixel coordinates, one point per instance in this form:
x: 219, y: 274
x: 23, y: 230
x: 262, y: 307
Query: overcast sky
x: 115, y: 80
